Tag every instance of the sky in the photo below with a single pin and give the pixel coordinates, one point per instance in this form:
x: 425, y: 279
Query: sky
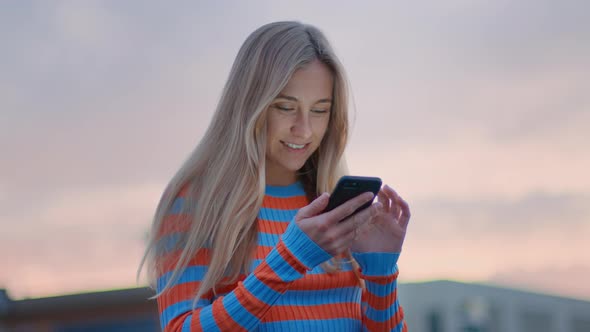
x: 476, y: 112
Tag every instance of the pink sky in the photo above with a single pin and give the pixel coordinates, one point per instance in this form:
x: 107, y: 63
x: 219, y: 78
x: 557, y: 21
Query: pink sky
x: 478, y: 113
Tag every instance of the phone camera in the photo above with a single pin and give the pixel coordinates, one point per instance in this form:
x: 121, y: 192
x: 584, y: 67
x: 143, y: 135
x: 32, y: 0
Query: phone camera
x: 351, y: 185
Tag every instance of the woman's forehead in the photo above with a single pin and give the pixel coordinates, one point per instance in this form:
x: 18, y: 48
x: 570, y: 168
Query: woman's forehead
x: 312, y: 82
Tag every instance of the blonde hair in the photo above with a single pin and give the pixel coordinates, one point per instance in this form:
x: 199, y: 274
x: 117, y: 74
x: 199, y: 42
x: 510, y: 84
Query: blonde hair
x: 224, y: 177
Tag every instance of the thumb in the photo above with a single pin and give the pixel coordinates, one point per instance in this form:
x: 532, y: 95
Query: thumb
x: 314, y: 208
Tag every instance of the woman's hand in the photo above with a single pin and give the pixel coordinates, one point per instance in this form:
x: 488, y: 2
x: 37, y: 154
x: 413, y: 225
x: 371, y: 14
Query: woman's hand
x: 335, y: 231
x: 387, y: 229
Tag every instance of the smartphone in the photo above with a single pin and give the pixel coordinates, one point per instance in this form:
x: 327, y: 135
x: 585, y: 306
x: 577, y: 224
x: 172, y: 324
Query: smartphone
x: 349, y: 187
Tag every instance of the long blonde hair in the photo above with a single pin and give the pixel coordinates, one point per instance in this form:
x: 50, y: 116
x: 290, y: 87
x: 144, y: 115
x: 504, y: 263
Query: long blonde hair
x: 224, y: 177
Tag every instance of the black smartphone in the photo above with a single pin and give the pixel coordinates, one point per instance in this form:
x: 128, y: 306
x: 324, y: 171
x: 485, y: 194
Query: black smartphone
x: 349, y: 187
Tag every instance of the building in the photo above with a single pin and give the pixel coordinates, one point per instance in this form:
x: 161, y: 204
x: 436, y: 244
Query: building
x: 437, y: 306
x: 447, y: 306
x: 125, y: 310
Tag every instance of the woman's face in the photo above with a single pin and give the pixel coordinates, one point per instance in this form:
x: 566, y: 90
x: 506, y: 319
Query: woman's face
x: 297, y: 120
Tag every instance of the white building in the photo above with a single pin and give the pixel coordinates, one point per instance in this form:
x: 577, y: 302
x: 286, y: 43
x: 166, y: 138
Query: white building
x: 447, y: 306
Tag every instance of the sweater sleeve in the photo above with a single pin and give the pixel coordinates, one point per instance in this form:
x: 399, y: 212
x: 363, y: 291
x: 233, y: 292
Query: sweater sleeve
x: 381, y: 309
x: 247, y: 301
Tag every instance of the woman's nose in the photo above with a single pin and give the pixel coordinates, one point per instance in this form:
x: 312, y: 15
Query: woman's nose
x: 302, y: 126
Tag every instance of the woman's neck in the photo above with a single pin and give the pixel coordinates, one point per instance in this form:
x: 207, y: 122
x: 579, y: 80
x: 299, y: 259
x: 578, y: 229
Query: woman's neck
x: 280, y: 179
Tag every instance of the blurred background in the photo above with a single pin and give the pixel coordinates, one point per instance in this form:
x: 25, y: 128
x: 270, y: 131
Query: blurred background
x: 476, y: 112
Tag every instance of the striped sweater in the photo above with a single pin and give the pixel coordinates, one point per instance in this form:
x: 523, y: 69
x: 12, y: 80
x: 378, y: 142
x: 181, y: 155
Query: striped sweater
x: 285, y: 289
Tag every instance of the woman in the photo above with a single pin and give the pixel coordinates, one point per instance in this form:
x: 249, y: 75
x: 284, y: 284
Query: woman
x: 239, y: 241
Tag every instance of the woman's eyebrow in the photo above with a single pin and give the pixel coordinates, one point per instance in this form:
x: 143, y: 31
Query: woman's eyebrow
x: 287, y: 97
x: 324, y: 100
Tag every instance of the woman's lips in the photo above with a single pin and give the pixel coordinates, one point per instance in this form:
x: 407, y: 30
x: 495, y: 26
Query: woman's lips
x: 293, y: 147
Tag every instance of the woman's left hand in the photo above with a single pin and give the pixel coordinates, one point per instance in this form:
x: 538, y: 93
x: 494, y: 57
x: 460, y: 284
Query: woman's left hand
x: 387, y: 229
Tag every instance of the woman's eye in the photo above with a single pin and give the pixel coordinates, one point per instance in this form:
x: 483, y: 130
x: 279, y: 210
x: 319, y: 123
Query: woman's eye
x: 319, y: 111
x: 284, y: 108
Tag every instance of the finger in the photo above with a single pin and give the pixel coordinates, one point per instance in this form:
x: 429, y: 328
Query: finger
x: 393, y: 196
x: 360, y: 218
x: 405, y: 217
x: 404, y: 208
x: 314, y: 208
x: 384, y: 200
x: 348, y: 207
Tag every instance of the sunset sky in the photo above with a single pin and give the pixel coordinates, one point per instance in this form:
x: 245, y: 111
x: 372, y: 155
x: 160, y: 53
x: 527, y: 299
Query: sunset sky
x: 476, y: 112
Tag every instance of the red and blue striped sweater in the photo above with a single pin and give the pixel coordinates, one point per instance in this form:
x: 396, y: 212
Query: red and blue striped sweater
x: 285, y: 288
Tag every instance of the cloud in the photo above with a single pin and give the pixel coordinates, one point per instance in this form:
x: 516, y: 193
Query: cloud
x: 499, y: 216
x: 77, y: 269
x: 77, y: 240
x: 152, y: 85
x: 108, y: 208
x: 430, y: 101
x: 473, y: 110
x: 484, y: 239
x: 108, y: 95
x: 504, y: 69
x: 470, y: 167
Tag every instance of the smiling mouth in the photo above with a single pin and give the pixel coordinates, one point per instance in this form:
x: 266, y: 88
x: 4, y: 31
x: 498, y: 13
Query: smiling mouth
x: 295, y: 146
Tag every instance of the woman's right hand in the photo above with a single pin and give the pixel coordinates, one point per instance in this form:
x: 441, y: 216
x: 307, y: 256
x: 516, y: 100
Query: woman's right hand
x: 334, y: 231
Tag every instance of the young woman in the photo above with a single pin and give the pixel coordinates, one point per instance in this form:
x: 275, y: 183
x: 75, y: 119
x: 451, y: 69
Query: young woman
x: 239, y: 241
